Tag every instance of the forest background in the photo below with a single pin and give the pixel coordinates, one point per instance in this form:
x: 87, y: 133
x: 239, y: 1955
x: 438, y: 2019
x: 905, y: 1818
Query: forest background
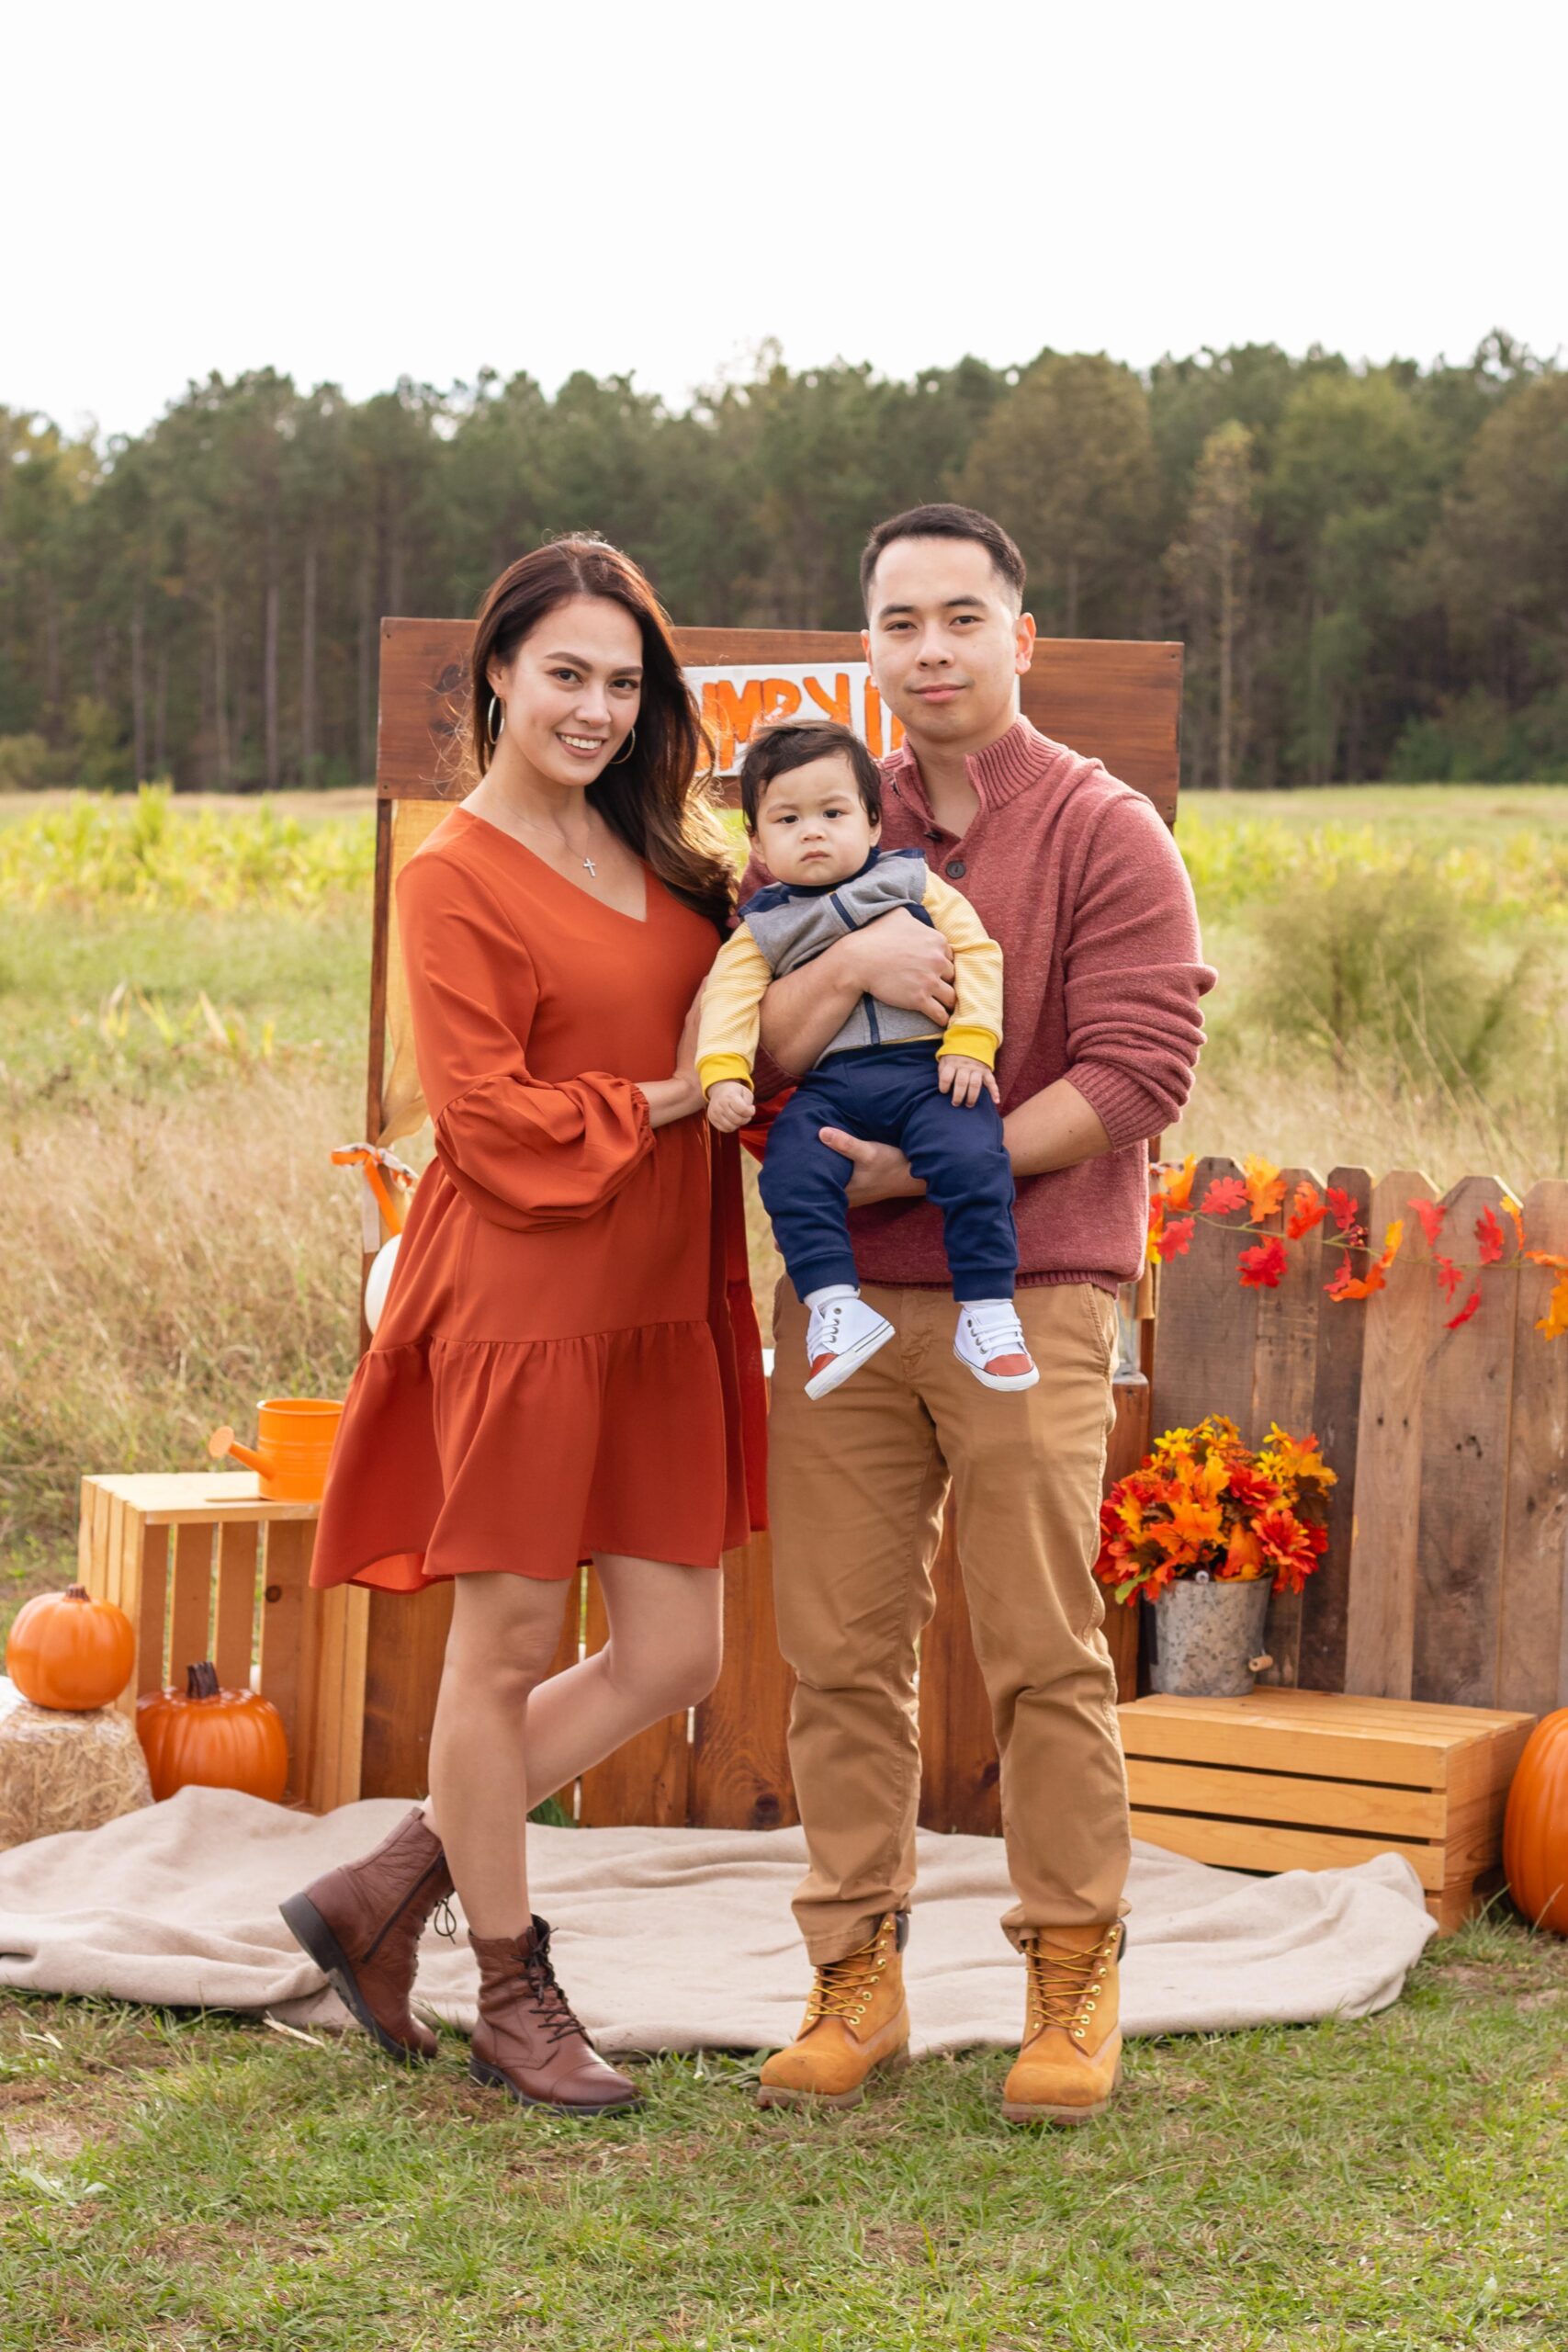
x: 1369, y: 565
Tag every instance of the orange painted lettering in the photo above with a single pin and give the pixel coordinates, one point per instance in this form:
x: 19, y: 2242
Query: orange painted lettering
x: 834, y: 705
x: 729, y: 717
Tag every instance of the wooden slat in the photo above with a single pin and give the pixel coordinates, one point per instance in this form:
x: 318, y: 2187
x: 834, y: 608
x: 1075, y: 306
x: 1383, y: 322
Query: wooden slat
x: 405, y: 1645
x: 1284, y: 1367
x: 149, y: 1546
x: 1336, y: 1418
x: 286, y: 1568
x: 190, y: 1600
x: 1382, y: 1752
x: 568, y: 1653
x: 1466, y: 1402
x: 330, y: 1741
x: 960, y: 1775
x: 647, y: 1780
x: 1365, y: 1806
x: 1206, y: 1332
x: 235, y: 1637
x: 740, y: 1767
x: 1532, y: 1635
x: 1252, y: 1846
x: 1380, y: 1643
x: 189, y: 1497
x: 1116, y: 700
x: 1128, y: 1444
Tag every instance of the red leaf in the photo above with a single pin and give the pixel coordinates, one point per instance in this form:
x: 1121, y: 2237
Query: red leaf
x: 1431, y: 1214
x: 1466, y: 1311
x: 1489, y: 1234
x: 1308, y: 1208
x: 1261, y: 1266
x: 1342, y: 1206
x: 1449, y: 1275
x: 1176, y: 1237
x: 1224, y: 1193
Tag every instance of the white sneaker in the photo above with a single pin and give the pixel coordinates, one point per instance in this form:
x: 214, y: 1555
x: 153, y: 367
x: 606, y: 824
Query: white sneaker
x: 842, y: 1334
x: 990, y: 1340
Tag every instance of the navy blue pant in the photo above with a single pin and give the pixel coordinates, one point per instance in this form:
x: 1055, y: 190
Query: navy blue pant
x: 889, y: 1094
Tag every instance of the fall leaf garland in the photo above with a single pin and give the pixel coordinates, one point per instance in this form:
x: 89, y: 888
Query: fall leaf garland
x: 1260, y: 1190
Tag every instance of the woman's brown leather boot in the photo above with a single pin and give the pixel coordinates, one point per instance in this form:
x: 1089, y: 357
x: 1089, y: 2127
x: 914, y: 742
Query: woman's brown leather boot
x: 527, y: 2040
x: 361, y: 1925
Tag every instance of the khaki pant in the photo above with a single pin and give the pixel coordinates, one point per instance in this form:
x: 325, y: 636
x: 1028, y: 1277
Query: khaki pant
x: 858, y: 1482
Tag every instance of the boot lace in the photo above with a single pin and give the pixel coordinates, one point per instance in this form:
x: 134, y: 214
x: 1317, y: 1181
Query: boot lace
x: 1064, y: 1987
x: 555, y: 2010
x: 844, y: 1988
x: 445, y: 1922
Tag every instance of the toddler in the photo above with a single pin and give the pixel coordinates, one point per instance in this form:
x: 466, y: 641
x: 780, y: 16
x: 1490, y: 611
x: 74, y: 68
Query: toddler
x: 812, y: 798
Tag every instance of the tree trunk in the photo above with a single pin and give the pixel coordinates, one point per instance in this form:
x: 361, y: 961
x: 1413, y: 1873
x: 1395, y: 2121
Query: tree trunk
x: 1071, y: 622
x: 220, y: 692
x: 366, y: 701
x: 1227, y: 645
x: 308, y: 670
x: 139, y: 689
x: 160, y: 713
x: 269, y: 686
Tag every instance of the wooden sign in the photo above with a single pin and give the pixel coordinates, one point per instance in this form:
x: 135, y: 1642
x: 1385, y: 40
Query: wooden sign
x: 736, y: 697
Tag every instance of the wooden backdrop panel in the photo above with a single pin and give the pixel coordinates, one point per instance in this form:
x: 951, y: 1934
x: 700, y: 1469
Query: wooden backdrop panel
x: 1532, y: 1635
x: 1380, y: 1621
x: 739, y: 1773
x: 1117, y: 700
x: 1335, y: 1418
x: 1206, y: 1332
x: 1284, y: 1376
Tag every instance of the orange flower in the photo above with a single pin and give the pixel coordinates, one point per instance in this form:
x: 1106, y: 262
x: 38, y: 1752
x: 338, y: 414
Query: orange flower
x: 1176, y: 1184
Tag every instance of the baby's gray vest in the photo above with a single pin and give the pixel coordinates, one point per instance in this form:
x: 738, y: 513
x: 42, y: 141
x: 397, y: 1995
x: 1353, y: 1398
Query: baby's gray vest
x: 791, y: 927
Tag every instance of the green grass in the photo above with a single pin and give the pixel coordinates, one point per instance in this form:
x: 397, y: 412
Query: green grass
x: 204, y: 2182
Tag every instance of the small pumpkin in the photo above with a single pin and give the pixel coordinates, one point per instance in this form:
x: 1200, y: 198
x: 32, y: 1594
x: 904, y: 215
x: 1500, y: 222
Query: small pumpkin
x: 68, y: 1650
x: 207, y: 1738
x: 1535, y: 1828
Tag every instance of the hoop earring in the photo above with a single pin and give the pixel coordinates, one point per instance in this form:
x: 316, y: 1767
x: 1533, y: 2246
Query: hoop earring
x: 491, y: 730
x: 622, y: 757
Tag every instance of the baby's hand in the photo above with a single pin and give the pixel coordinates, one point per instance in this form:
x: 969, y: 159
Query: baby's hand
x: 965, y: 1079
x: 730, y: 1106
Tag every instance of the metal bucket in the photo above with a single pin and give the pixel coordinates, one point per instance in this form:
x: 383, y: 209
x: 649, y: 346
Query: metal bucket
x: 1205, y: 1634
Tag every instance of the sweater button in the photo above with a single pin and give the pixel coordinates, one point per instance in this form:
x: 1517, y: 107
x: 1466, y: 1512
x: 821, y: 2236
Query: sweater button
x: 956, y: 870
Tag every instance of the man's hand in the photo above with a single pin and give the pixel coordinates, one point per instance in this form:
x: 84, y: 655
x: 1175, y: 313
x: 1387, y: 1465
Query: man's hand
x: 965, y: 1079
x: 730, y: 1106
x: 904, y: 962
x: 881, y: 1171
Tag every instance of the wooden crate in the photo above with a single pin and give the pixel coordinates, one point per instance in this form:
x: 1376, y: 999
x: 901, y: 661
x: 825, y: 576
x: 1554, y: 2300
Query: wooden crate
x: 1311, y: 1780
x: 205, y: 1568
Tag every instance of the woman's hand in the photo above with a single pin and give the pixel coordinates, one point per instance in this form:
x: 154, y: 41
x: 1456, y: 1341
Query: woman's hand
x: 669, y: 1099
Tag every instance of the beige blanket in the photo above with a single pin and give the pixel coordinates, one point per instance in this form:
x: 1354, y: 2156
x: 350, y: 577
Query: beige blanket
x: 678, y: 1939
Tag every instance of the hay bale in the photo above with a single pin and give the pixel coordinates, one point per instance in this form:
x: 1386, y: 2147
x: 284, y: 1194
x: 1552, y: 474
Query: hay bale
x: 62, y: 1770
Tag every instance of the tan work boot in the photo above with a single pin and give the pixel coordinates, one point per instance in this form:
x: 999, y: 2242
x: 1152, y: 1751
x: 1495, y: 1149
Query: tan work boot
x: 855, y: 2021
x: 1071, y: 2060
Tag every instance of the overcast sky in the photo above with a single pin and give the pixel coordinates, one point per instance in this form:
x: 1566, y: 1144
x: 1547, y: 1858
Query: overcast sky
x: 354, y: 193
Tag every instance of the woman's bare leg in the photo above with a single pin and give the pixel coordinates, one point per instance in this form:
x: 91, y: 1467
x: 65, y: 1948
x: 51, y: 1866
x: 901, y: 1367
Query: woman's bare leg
x: 503, y: 1637
x: 505, y: 1738
x: 662, y: 1655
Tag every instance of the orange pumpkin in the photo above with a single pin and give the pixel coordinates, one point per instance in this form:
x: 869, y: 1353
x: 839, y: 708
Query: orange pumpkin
x: 70, y: 1651
x: 206, y: 1738
x: 1535, y: 1828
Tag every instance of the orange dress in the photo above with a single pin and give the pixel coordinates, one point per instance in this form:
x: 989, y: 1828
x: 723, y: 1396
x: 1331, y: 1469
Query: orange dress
x: 559, y: 1368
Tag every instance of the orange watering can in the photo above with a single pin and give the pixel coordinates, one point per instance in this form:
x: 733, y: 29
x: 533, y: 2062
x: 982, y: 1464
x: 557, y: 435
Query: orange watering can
x: 294, y: 1439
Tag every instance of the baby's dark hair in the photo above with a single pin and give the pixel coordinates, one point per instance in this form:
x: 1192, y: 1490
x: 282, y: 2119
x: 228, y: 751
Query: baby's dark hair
x: 794, y: 744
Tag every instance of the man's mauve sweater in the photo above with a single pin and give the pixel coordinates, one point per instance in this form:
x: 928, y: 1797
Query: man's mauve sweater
x: 1077, y: 880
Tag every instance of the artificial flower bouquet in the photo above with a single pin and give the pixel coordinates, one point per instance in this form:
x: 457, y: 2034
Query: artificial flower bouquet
x: 1203, y: 1505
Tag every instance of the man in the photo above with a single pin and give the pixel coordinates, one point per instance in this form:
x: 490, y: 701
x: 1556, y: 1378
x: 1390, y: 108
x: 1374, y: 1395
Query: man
x: 1076, y: 878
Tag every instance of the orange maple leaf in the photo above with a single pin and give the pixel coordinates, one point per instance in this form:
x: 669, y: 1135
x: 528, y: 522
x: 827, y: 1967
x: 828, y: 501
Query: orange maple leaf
x: 1224, y: 1193
x: 1514, y: 1215
x: 1264, y: 1186
x: 1489, y: 1235
x: 1308, y: 1208
x: 1176, y: 1184
x: 1553, y: 1324
x: 1466, y: 1311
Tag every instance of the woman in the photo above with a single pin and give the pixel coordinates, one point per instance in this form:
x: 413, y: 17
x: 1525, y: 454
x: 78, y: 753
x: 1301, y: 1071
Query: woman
x: 554, y: 1372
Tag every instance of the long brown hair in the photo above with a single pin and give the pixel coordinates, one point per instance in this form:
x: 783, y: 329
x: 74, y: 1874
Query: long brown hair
x: 657, y: 799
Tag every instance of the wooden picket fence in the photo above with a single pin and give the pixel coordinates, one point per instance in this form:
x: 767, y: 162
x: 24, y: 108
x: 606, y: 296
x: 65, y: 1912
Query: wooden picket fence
x: 1447, y: 1569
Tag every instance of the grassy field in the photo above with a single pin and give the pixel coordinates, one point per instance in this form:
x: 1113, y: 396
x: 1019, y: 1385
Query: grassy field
x: 182, y: 1015
x: 207, y: 2185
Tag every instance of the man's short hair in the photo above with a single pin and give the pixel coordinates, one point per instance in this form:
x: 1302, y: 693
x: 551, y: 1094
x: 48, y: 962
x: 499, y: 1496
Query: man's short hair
x: 776, y: 749
x: 945, y: 522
